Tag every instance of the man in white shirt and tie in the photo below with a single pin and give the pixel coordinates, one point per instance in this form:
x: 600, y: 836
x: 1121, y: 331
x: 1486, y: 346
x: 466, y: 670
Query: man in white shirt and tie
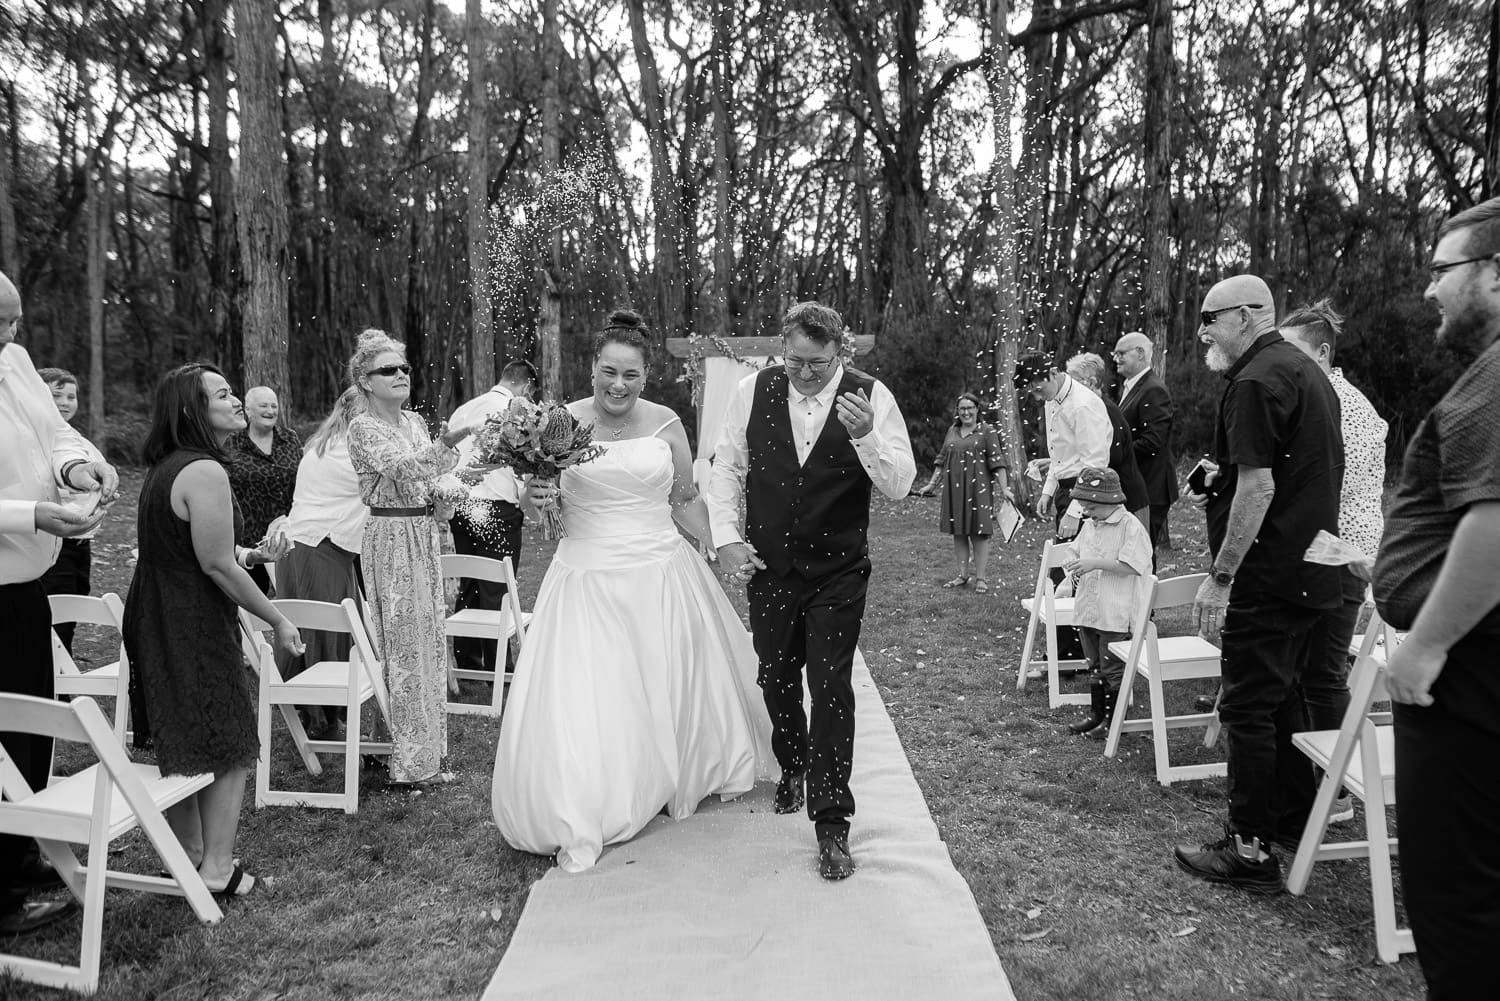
x: 41, y: 455
x: 489, y: 522
x: 802, y: 444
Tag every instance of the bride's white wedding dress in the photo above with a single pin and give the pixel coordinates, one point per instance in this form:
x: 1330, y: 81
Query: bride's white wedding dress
x: 635, y: 688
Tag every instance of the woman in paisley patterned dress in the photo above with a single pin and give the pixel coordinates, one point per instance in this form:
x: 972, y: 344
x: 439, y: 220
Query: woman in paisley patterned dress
x: 397, y: 461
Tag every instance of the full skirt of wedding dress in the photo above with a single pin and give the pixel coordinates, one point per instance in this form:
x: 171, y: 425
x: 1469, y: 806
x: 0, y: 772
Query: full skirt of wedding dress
x: 635, y: 690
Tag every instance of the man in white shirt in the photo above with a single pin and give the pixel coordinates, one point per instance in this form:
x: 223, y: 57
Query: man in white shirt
x: 1078, y: 430
x: 1325, y: 682
x: 804, y: 555
x: 489, y: 523
x: 41, y: 455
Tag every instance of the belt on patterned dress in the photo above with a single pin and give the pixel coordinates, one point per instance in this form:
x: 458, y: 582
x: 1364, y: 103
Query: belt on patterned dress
x: 401, y: 512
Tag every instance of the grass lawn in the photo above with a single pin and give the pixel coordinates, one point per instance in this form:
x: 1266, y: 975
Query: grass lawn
x: 1068, y: 854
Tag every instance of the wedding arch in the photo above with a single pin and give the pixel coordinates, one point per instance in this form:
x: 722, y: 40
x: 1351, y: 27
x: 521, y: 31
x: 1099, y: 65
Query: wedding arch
x: 715, y: 365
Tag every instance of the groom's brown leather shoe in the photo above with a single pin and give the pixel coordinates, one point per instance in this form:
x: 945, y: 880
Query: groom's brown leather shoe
x: 834, y: 860
x: 791, y: 792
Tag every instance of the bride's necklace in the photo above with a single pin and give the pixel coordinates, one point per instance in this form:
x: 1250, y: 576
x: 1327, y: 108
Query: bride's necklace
x: 614, y: 432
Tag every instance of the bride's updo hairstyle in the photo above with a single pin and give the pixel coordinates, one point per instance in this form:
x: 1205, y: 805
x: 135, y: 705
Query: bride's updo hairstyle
x: 625, y: 327
x: 372, y: 343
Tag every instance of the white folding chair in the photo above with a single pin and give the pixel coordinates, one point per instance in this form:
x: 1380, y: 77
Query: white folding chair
x: 1161, y: 659
x: 112, y: 680
x: 94, y: 808
x: 346, y: 684
x: 1359, y: 756
x: 493, y: 625
x: 1048, y: 612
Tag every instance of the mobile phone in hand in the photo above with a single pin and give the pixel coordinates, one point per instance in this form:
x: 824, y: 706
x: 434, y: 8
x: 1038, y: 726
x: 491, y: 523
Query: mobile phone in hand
x: 1197, y: 481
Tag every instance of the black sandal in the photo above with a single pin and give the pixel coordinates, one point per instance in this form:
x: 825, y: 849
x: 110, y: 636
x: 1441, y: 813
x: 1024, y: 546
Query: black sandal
x: 236, y: 880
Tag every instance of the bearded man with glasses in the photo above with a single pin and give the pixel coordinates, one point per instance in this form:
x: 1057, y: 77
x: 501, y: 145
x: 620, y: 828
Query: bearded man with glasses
x: 1435, y: 576
x: 1274, y: 483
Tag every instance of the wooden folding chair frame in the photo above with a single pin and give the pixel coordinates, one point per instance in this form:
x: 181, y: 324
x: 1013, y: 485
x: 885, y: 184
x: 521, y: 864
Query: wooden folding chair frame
x: 498, y: 625
x: 1159, y: 669
x: 93, y: 807
x: 1361, y: 757
x: 111, y: 680
x: 346, y: 684
x: 1051, y: 612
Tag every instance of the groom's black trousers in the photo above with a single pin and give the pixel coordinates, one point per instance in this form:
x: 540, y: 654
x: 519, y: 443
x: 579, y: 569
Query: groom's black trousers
x: 796, y: 621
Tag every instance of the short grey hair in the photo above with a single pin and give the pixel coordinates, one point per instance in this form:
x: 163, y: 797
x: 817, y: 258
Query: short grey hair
x: 1087, y: 368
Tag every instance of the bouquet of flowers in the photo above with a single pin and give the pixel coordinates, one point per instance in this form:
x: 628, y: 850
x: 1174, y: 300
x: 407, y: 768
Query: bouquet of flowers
x: 536, y: 440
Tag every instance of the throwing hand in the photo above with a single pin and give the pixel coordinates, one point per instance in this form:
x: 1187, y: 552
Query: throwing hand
x: 857, y: 413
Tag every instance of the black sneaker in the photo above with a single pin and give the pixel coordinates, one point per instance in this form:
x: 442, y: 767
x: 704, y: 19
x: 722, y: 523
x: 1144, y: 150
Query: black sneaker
x: 791, y: 792
x: 1235, y: 862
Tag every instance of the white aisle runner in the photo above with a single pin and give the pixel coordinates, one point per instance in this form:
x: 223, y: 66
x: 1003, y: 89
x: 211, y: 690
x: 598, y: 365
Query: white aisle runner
x: 728, y: 905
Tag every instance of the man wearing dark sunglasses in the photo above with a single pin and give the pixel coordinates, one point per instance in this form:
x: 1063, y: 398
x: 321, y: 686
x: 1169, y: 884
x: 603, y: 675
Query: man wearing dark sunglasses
x: 1435, y: 576
x: 1278, y: 467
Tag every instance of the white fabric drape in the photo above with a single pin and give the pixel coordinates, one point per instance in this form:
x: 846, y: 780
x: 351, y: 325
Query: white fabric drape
x: 720, y: 377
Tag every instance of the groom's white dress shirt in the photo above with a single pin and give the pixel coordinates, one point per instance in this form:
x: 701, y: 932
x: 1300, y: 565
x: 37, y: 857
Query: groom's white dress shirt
x: 38, y: 444
x: 885, y: 453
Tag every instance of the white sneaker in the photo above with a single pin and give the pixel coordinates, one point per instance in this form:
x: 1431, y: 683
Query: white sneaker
x: 1343, y: 810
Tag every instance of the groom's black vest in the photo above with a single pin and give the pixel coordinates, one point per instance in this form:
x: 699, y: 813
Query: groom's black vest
x: 811, y: 519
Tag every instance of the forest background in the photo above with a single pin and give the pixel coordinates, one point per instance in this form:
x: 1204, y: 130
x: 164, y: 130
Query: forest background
x: 255, y: 181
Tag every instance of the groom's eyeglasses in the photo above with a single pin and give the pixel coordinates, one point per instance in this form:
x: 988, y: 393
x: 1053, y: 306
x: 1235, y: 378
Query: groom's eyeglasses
x: 817, y: 365
x: 390, y: 370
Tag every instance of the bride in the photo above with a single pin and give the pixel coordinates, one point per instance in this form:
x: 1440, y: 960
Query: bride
x: 635, y: 689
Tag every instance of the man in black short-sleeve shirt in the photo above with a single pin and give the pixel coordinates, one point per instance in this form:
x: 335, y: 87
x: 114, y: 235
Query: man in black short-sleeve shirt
x: 1280, y: 466
x: 1436, y: 575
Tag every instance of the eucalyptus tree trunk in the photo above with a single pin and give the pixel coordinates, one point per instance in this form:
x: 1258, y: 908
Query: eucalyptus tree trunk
x: 666, y: 201
x: 1007, y: 291
x: 223, y: 256
x: 1491, y: 185
x: 96, y: 215
x: 1160, y: 85
x: 261, y: 212
x: 414, y: 327
x: 549, y: 322
x: 723, y: 100
x: 10, y: 253
x: 481, y: 333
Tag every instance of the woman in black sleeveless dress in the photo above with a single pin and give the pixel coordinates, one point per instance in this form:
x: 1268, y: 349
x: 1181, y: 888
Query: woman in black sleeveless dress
x: 180, y: 616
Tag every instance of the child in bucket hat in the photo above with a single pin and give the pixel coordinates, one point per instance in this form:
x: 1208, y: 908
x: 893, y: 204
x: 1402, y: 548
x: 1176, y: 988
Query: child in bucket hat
x: 1111, y: 550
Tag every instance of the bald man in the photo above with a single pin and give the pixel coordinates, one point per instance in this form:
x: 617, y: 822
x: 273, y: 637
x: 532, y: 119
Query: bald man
x: 1147, y: 408
x: 262, y: 465
x: 1279, y: 465
x: 41, y: 455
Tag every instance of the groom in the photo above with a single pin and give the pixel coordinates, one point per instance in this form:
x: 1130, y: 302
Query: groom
x: 802, y: 443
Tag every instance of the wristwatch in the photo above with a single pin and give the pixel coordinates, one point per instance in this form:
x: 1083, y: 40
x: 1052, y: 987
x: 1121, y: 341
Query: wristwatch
x: 1221, y: 577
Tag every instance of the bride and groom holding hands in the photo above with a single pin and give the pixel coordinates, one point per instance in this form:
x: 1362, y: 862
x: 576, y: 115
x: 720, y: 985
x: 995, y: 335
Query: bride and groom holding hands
x: 635, y: 691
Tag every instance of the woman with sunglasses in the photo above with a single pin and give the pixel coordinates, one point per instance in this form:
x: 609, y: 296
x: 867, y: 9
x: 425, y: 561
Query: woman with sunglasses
x: 397, y: 461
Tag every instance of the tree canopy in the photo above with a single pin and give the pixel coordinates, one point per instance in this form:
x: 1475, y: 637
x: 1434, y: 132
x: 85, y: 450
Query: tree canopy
x: 710, y: 163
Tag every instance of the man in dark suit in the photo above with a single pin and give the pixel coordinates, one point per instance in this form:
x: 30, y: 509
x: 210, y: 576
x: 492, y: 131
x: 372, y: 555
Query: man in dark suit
x: 1147, y: 407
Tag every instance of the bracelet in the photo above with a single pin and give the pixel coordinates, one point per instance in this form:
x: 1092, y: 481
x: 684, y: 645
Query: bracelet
x: 68, y: 468
x: 242, y: 557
